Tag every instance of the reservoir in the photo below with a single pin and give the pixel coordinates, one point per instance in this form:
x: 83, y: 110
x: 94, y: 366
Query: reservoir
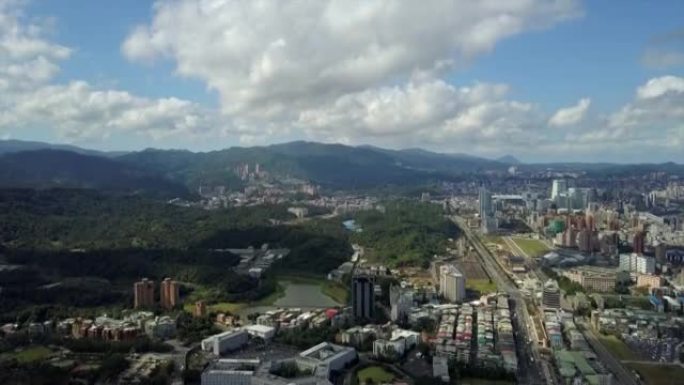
x: 297, y: 295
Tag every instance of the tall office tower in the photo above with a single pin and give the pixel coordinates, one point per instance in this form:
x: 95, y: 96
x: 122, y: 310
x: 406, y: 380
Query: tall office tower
x: 143, y: 293
x: 363, y: 302
x: 168, y: 295
x: 400, y: 303
x: 558, y: 187
x: 451, y: 283
x: 485, y: 203
x: 638, y: 242
x: 487, y: 218
x: 551, y: 295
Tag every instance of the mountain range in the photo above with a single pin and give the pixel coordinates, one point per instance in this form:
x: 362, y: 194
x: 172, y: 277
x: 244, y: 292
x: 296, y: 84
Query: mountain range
x: 178, y: 172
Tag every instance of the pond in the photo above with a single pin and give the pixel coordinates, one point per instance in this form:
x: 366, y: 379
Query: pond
x: 296, y: 295
x: 352, y: 226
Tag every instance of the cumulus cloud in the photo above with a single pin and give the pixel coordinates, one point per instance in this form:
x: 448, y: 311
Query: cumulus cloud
x: 80, y: 112
x: 570, y: 115
x: 650, y: 124
x: 275, y: 58
x: 29, y: 62
x: 428, y: 112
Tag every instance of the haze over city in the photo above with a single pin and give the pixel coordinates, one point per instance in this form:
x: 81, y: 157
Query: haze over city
x: 561, y: 80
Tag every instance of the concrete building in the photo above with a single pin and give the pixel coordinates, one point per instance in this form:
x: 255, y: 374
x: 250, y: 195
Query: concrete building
x: 635, y: 263
x: 168, y: 293
x: 399, y: 343
x: 451, y: 283
x: 488, y: 221
x: 638, y: 242
x: 400, y: 303
x: 650, y: 281
x: 551, y: 295
x: 326, y: 357
x: 161, y: 327
x: 363, y: 300
x: 558, y: 187
x: 230, y: 372
x: 143, y: 293
x: 596, y: 281
x: 261, y: 331
x: 226, y: 341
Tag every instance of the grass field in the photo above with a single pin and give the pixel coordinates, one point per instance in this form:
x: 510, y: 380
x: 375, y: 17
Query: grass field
x: 377, y: 374
x: 617, y: 347
x: 532, y: 247
x: 493, y: 239
x: 28, y: 355
x: 660, y: 374
x: 483, y: 286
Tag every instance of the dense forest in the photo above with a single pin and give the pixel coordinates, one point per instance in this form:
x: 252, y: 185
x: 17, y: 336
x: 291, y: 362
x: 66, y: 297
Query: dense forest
x: 84, y: 248
x: 407, y: 234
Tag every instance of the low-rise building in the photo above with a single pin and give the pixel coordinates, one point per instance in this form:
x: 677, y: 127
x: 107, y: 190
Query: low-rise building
x: 596, y: 281
x: 650, y: 281
x: 261, y: 331
x: 226, y: 341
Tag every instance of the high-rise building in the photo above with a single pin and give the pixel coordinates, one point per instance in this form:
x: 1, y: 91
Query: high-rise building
x: 451, y: 283
x: 485, y: 203
x: 635, y: 263
x: 363, y: 301
x: 400, y: 303
x: 638, y: 242
x: 660, y: 250
x: 558, y: 187
x: 143, y: 293
x: 168, y: 295
x: 551, y: 295
x: 487, y: 218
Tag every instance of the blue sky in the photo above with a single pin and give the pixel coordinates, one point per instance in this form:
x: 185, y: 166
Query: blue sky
x: 592, y: 50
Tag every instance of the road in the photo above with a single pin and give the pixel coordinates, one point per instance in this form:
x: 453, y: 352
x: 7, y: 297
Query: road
x: 623, y: 375
x: 531, y: 369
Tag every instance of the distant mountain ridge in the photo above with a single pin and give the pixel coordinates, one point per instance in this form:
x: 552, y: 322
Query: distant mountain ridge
x: 49, y: 168
x: 328, y: 165
x: 12, y: 146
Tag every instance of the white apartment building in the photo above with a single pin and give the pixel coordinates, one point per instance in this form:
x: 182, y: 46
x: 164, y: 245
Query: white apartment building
x: 451, y: 283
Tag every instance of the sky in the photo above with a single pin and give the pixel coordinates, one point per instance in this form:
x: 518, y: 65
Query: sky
x: 543, y: 80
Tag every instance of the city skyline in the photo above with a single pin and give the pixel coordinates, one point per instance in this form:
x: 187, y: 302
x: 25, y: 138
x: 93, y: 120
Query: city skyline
x: 542, y: 80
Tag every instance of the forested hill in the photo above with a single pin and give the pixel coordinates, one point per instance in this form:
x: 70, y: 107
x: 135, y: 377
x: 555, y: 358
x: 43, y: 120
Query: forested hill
x: 330, y: 165
x: 59, y: 168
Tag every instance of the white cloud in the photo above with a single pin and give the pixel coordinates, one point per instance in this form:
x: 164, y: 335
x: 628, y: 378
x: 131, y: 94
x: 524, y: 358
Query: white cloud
x: 29, y: 62
x: 570, y: 115
x: 80, y: 112
x: 275, y: 59
x: 428, y: 112
x: 658, y: 87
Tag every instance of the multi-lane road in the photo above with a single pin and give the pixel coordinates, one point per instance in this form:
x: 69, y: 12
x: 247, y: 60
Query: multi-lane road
x: 531, y: 369
x: 533, y: 373
x: 615, y: 366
